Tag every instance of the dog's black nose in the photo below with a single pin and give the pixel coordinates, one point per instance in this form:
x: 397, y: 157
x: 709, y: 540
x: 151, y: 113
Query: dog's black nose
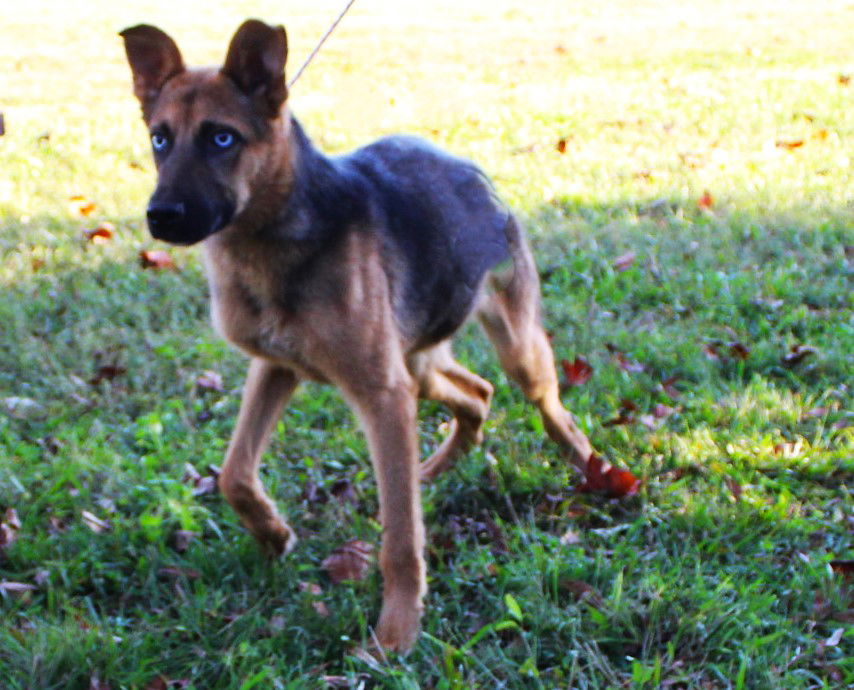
x: 162, y: 214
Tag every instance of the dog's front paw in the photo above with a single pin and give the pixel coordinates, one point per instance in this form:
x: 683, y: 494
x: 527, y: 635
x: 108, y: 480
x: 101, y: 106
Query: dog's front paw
x: 276, y: 538
x: 399, y: 626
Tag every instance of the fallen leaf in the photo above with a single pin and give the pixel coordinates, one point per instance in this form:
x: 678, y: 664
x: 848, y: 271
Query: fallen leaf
x: 624, y: 261
x: 797, y: 354
x: 739, y: 350
x: 320, y: 608
x: 107, y: 372
x: 627, y: 364
x: 102, y: 234
x: 583, y: 592
x: 711, y: 351
x: 706, y: 201
x: 496, y: 536
x: 843, y: 79
x: 311, y: 587
x: 210, y: 380
x: 41, y: 577
x: 79, y: 205
x: 2, y: 125
x: 94, y: 523
x: 843, y: 567
x: 649, y: 422
x: 578, y: 372
x: 789, y: 145
x: 622, y: 418
x: 344, y: 491
x: 570, y: 537
x: 16, y: 589
x: 8, y: 535
x: 96, y: 683
x: 821, y: 134
x: 561, y: 145
x: 182, y: 539
x: 11, y: 518
x: 614, y: 482
x: 734, y: 487
x: 788, y: 449
x: 835, y: 638
x: 156, y: 258
x: 204, y: 486
x: 350, y: 561
x: 22, y: 408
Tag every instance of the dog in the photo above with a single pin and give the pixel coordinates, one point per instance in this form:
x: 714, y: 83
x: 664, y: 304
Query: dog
x: 354, y: 271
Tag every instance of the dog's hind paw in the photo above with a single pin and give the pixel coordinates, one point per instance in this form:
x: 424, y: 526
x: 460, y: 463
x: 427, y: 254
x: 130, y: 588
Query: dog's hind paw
x: 277, y: 539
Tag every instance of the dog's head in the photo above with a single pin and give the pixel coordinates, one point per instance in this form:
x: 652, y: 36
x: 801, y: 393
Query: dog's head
x: 213, y: 131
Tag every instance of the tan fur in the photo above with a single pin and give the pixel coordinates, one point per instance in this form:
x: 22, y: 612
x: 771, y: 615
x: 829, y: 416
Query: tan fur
x: 344, y: 329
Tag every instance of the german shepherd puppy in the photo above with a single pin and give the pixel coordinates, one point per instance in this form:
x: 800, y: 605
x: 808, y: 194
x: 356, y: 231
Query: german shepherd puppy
x: 353, y: 270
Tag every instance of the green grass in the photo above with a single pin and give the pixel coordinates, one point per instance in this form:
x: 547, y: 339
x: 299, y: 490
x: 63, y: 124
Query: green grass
x: 717, y: 575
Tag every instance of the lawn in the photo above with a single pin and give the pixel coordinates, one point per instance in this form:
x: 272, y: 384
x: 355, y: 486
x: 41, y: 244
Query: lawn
x: 685, y: 174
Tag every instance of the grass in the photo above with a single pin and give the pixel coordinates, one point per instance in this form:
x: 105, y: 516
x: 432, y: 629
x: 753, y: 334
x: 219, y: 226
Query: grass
x: 717, y: 575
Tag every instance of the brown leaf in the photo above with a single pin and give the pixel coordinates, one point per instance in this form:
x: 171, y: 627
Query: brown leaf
x: 11, y: 518
x: 583, y: 592
x: 843, y: 79
x: 80, y: 206
x: 624, y: 261
x: 320, y: 608
x: 578, y: 372
x: 107, y: 372
x: 182, y: 538
x: 350, y: 561
x: 156, y: 258
x: 627, y: 364
x: 496, y: 536
x: 711, y: 351
x: 734, y: 487
x: 102, y: 234
x: 843, y: 567
x: 620, y: 420
x: 94, y: 523
x: 210, y: 380
x: 8, y: 535
x: 561, y: 145
x: 790, y: 144
x: 2, y: 125
x: 739, y: 350
x: 706, y: 201
x: 797, y: 354
x: 344, y: 491
x: 661, y: 411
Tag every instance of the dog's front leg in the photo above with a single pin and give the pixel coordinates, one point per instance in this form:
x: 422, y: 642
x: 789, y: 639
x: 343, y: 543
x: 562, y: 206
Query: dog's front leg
x: 388, y: 415
x: 265, y: 393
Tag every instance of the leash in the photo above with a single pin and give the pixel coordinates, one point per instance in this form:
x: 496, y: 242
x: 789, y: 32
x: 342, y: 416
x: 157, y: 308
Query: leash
x: 320, y: 43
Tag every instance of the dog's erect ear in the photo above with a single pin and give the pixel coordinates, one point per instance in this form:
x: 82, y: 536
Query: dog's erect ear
x: 154, y: 59
x: 256, y: 63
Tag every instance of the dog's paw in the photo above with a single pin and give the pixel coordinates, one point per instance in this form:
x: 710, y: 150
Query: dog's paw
x: 399, y: 626
x: 277, y: 539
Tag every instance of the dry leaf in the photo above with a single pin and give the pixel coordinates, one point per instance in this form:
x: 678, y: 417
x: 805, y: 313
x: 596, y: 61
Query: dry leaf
x: 80, y: 206
x: 843, y: 79
x: 734, y: 487
x: 570, y: 537
x: 8, y: 535
x: 183, y: 537
x: 583, y: 592
x: 835, y: 638
x: 578, y: 372
x: 789, y: 145
x: 711, y: 351
x: 797, y: 354
x: 739, y: 350
x: 11, y: 518
x: 561, y: 145
x: 843, y: 567
x: 210, y: 380
x: 614, y: 482
x: 706, y: 201
x: 156, y: 258
x: 102, y: 234
x: 94, y: 523
x: 350, y: 561
x: 107, y: 372
x: 661, y: 411
x: 2, y: 125
x: 624, y: 261
x: 16, y: 589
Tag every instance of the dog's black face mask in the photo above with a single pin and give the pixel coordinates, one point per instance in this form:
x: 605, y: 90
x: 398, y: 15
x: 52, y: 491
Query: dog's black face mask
x: 191, y: 201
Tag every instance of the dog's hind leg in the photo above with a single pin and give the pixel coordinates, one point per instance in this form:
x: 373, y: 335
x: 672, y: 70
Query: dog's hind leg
x: 510, y: 315
x: 265, y: 393
x: 443, y: 379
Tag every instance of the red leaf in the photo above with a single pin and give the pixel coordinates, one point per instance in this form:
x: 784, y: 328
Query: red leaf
x: 624, y: 261
x: 578, y: 372
x: 561, y: 145
x: 797, y: 354
x: 614, y: 482
x: 706, y: 201
x: 100, y: 235
x: 350, y: 561
x: 156, y: 258
x: 81, y: 206
x: 789, y: 145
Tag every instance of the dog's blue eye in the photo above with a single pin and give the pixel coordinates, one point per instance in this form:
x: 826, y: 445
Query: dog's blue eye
x: 159, y: 141
x: 223, y: 140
